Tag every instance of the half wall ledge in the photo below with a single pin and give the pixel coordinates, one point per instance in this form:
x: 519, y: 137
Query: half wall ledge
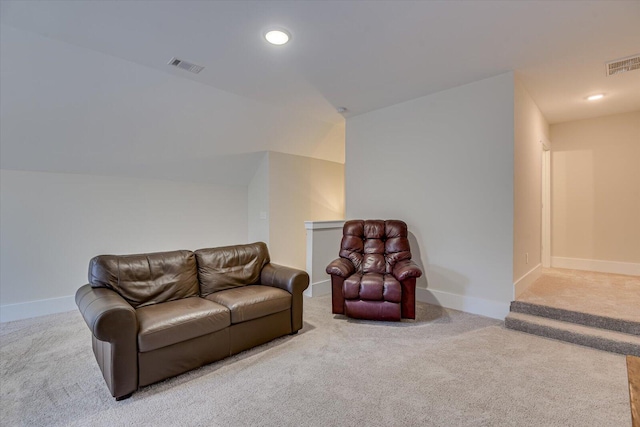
x: 323, y: 245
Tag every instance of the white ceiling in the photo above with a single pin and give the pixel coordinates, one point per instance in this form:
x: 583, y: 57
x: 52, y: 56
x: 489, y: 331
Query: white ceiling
x: 364, y: 55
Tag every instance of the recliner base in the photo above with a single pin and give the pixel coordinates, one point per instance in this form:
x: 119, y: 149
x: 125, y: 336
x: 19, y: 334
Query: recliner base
x: 373, y: 310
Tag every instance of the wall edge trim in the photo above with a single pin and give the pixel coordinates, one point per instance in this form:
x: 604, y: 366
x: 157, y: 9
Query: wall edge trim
x: 43, y: 307
x: 526, y: 280
x: 318, y: 289
x: 614, y: 267
x: 473, y: 305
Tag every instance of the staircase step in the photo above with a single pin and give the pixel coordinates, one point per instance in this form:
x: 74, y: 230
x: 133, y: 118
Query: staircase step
x: 602, y: 339
x: 592, y: 320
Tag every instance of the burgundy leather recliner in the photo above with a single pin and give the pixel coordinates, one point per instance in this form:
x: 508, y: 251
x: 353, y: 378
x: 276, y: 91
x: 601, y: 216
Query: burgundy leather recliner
x: 374, y: 278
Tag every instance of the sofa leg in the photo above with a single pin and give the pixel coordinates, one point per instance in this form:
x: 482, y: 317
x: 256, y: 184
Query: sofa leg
x: 126, y: 396
x: 293, y: 333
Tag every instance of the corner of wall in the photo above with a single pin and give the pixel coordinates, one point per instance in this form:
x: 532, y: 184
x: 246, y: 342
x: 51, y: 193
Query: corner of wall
x: 258, y: 202
x: 530, y: 130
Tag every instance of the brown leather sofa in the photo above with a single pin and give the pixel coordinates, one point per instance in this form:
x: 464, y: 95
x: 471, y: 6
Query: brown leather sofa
x: 374, y: 278
x: 154, y: 316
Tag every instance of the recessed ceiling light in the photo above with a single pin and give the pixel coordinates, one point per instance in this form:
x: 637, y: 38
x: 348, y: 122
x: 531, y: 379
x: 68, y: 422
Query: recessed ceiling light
x: 277, y: 37
x: 595, y: 97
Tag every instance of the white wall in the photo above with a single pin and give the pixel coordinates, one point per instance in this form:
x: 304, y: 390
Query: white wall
x: 52, y: 224
x: 286, y: 191
x: 67, y: 109
x: 258, y: 203
x: 300, y: 189
x: 444, y: 164
x: 595, y: 207
x: 530, y: 129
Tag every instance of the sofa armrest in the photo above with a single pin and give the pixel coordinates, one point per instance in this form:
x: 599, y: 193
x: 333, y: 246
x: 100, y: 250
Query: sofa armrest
x: 114, y: 326
x: 341, y: 267
x: 406, y: 269
x: 106, y: 313
x: 291, y: 280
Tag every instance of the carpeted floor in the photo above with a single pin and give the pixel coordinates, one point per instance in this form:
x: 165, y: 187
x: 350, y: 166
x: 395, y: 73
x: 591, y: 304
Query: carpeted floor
x: 447, y: 368
x: 602, y: 294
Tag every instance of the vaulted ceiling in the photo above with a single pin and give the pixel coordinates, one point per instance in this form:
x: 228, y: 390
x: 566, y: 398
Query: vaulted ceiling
x: 362, y: 55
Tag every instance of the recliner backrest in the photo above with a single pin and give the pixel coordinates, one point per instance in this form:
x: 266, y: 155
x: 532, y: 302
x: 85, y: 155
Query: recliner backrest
x: 146, y: 279
x: 375, y: 246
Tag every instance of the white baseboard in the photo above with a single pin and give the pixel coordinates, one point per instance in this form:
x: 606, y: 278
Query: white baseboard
x: 615, y: 267
x: 25, y: 310
x: 318, y: 289
x: 474, y: 305
x: 525, y: 281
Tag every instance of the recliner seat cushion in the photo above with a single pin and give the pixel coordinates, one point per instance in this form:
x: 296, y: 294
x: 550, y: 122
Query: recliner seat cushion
x: 230, y: 267
x: 252, y: 302
x: 172, y: 322
x: 372, y: 287
x: 147, y: 279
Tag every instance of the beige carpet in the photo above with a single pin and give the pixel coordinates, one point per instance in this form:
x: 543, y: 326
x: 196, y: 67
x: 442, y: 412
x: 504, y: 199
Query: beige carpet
x: 445, y: 369
x: 601, y: 294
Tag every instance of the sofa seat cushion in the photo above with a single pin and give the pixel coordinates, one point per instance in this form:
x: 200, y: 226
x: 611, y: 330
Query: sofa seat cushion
x: 252, y: 302
x: 372, y: 287
x: 172, y: 322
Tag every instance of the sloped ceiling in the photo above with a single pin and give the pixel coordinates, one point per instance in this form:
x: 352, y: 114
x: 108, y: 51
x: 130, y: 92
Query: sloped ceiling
x: 64, y: 108
x: 362, y: 55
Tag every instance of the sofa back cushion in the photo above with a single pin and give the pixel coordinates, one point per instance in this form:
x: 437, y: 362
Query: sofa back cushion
x: 147, y: 279
x: 231, y: 266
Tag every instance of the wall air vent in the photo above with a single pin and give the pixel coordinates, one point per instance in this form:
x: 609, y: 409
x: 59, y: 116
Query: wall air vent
x: 186, y: 65
x: 623, y: 65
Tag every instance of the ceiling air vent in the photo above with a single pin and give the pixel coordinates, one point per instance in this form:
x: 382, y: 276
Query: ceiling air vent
x: 623, y: 65
x: 186, y: 65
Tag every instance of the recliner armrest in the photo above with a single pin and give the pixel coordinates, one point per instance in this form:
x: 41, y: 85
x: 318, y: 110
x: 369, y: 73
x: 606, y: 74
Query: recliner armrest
x: 341, y: 267
x: 106, y: 313
x: 406, y: 269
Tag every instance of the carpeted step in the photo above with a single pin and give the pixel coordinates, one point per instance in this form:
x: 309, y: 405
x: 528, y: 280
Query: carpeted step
x: 601, y: 339
x: 592, y: 320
